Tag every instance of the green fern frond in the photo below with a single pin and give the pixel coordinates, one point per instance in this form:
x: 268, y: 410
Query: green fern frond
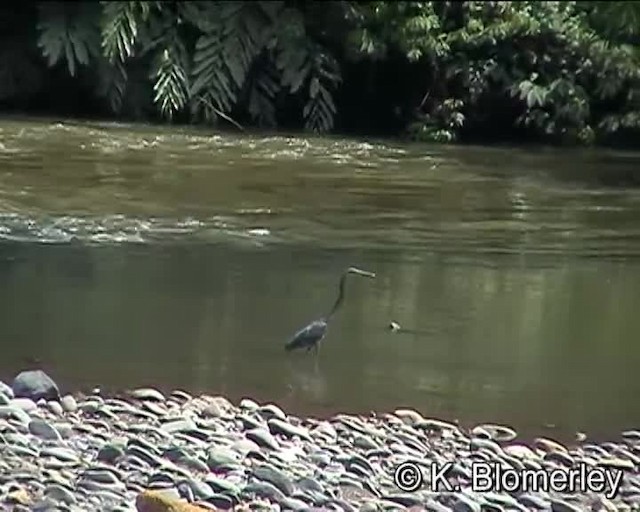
x: 235, y: 33
x: 171, y: 86
x: 265, y: 85
x: 112, y: 83
x: 68, y: 31
x: 320, y: 110
x: 302, y: 62
x: 121, y: 27
x: 292, y: 52
x: 210, y: 82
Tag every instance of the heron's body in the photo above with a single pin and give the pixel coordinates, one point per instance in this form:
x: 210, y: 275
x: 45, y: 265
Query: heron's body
x: 310, y: 336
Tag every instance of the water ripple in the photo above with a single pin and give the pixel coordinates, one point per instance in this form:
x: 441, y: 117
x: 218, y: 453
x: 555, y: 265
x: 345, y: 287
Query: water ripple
x: 62, y: 183
x: 122, y: 229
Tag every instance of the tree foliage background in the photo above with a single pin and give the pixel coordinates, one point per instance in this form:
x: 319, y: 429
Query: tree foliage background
x: 563, y: 72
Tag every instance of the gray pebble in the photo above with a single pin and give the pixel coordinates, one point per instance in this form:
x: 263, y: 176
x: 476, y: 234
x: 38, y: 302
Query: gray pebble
x: 278, y: 426
x: 103, y: 476
x: 498, y: 433
x: 290, y: 503
x: 6, y: 390
x: 4, y: 398
x: 321, y: 459
x: 60, y: 453
x: 365, y: 442
x: 433, y: 506
x: 8, y: 411
x: 221, y: 485
x: 478, y: 443
x: 243, y: 446
x: 181, y: 396
x: 263, y: 438
x: 564, y: 506
x: 110, y: 452
x: 200, y: 489
x: 24, y: 404
x: 269, y: 411
x: 55, y: 407
x: 263, y: 490
x: 185, y: 492
x: 44, y: 429
x: 630, y: 435
x: 179, y: 425
x: 69, y: 403
x: 23, y: 451
x: 249, y: 422
x: 465, y: 504
x: 221, y: 501
x: 144, y: 455
x: 155, y: 408
x: 534, y: 502
x: 222, y: 458
x: 95, y: 486
x: 562, y: 458
x: 59, y: 494
x: 249, y: 405
x: 148, y: 394
x: 274, y: 476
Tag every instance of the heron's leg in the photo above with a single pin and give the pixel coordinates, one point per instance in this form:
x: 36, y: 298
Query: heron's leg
x: 316, y: 348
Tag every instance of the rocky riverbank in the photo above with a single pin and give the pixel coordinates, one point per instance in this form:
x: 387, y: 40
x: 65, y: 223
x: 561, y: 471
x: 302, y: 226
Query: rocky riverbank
x: 150, y: 452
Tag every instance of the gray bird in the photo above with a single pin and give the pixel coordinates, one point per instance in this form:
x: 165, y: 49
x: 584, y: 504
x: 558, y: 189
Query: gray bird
x: 310, y: 336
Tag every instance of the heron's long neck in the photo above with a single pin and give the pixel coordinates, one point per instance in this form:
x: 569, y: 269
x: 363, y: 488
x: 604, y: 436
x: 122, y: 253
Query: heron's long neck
x: 340, y: 297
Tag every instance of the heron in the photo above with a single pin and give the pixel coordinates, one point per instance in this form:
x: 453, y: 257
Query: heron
x: 309, y: 337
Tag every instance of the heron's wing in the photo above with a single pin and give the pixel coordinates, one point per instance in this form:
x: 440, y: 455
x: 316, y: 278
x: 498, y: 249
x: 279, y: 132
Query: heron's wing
x: 308, y: 335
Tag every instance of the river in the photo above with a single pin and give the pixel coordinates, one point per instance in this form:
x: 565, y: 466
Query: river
x: 175, y: 258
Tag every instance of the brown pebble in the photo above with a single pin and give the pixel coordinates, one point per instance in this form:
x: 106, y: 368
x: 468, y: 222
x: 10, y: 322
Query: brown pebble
x: 157, y: 501
x: 18, y: 497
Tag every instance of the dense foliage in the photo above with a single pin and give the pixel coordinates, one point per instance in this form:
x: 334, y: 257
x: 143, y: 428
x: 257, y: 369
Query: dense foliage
x: 546, y: 71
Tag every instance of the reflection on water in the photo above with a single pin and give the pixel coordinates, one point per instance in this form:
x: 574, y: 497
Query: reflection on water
x: 130, y: 257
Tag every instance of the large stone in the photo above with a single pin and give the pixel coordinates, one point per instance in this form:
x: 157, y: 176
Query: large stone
x: 35, y: 384
x: 158, y: 501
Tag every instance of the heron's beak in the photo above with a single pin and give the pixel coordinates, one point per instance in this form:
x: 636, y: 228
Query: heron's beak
x: 365, y: 273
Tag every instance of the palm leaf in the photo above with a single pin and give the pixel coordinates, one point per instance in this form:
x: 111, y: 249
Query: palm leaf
x: 171, y: 86
x: 302, y: 62
x: 264, y: 87
x: 112, y: 83
x: 121, y: 26
x: 234, y: 35
x: 68, y: 31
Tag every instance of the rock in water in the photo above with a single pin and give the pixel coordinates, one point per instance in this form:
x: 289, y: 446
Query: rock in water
x: 157, y: 501
x: 35, y: 384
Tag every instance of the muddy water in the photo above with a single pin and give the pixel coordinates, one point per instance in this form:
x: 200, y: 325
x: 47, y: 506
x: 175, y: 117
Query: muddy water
x: 134, y: 256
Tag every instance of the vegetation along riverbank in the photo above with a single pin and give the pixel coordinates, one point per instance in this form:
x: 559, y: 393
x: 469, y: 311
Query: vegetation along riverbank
x: 148, y: 451
x: 553, y: 72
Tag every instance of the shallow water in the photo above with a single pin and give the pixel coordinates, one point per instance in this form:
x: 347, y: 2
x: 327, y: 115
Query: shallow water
x: 133, y: 256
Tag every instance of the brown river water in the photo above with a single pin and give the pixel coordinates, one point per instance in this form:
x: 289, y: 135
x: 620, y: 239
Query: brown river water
x: 144, y: 256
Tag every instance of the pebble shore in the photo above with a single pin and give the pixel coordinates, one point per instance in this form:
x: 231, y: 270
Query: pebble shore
x: 101, y: 453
